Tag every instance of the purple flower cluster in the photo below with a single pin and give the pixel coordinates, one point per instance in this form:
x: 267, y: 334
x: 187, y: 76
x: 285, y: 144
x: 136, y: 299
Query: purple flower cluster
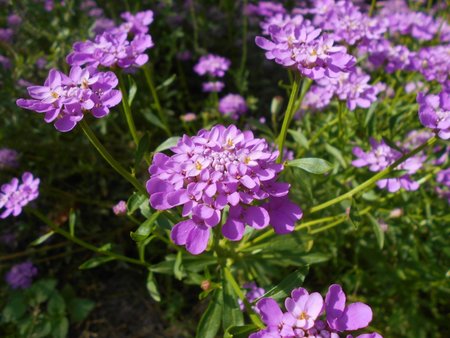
x: 346, y: 22
x: 303, y: 311
x: 253, y: 293
x: 9, y: 158
x: 113, y: 47
x: 352, y: 87
x: 213, y: 86
x: 219, y: 168
x: 434, y: 112
x: 380, y: 157
x: 21, y: 275
x: 443, y: 177
x: 300, y: 45
x: 233, y: 105
x: 432, y: 62
x: 15, y: 195
x: 214, y: 66
x: 65, y: 99
x: 265, y: 9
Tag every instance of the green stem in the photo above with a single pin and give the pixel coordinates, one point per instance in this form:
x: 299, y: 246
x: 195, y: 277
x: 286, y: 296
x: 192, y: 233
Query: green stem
x: 244, y: 43
x: 288, y: 116
x: 373, y: 179
x: 194, y: 23
x: 107, y: 156
x: 372, y: 7
x: 149, y: 78
x: 127, y: 109
x: 82, y: 243
x: 253, y: 317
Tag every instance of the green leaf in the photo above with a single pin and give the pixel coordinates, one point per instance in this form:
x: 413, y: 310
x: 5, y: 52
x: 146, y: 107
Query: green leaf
x: 311, y: 165
x: 283, y: 290
x: 145, y: 229
x: 152, y: 287
x: 56, y: 305
x: 231, y: 313
x: 299, y: 138
x: 143, y: 147
x: 379, y: 234
x: 15, y: 308
x: 169, y: 143
x: 167, y: 82
x: 135, y: 201
x: 240, y: 331
x: 95, y: 261
x: 153, y: 119
x: 79, y: 309
x: 210, y: 322
x: 60, y: 327
x: 337, y: 154
x: 42, y: 239
x: 72, y: 222
x: 178, y: 266
x: 132, y: 92
x: 41, y: 290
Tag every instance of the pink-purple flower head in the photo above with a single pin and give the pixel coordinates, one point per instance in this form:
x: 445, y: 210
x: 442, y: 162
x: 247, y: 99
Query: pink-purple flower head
x: 120, y: 208
x: 15, y: 195
x: 233, y: 105
x: 265, y: 9
x: 21, y: 275
x: 212, y: 65
x: 302, y: 47
x: 65, y: 99
x: 114, y: 47
x: 434, y: 112
x: 219, y: 168
x: 9, y: 158
x: 380, y: 157
x: 432, y: 62
x: 304, y: 312
x: 443, y: 177
x: 213, y: 86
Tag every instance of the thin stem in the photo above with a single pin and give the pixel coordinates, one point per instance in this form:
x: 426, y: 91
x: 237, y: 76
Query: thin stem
x: 287, y: 117
x: 107, y: 156
x: 244, y: 43
x: 149, y: 78
x: 127, y: 109
x: 372, y: 7
x: 254, y: 318
x: 373, y: 179
x: 82, y: 243
x: 194, y: 23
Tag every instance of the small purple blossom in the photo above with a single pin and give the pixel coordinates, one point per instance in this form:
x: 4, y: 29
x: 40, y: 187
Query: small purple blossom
x: 6, y: 34
x: 189, y: 117
x: 301, y: 46
x: 265, y: 9
x: 21, y: 275
x: 14, y: 20
x: 434, y: 112
x: 218, y: 168
x: 120, y: 208
x: 5, y: 62
x: 15, y: 195
x: 65, y: 99
x: 253, y: 293
x: 380, y: 157
x: 213, y: 86
x: 213, y: 65
x: 233, y: 105
x: 9, y: 158
x: 138, y: 23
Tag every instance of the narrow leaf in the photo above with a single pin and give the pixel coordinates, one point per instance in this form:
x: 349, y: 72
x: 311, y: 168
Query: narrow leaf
x: 283, y: 290
x: 379, y: 234
x: 240, y: 331
x: 152, y: 287
x: 42, y: 239
x: 210, y: 322
x: 169, y: 143
x: 232, y: 314
x: 94, y: 262
x: 311, y: 165
x: 145, y: 229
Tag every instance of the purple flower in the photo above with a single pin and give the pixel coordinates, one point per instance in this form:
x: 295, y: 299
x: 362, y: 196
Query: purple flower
x: 265, y: 8
x: 21, y: 275
x: 213, y: 86
x: 213, y: 65
x: 9, y: 158
x: 189, y: 117
x: 138, y: 23
x: 345, y: 318
x: 6, y: 34
x: 443, y: 177
x: 41, y: 63
x: 15, y: 195
x: 434, y: 112
x: 120, y: 208
x: 214, y: 169
x: 302, y: 46
x: 233, y: 105
x: 5, y: 62
x: 253, y: 293
x: 102, y: 24
x: 304, y: 307
x: 279, y: 324
x: 380, y: 157
x: 432, y: 63
x: 65, y: 99
x: 14, y: 20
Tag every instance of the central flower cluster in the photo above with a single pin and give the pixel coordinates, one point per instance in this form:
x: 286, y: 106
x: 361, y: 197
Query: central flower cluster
x: 220, y: 168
